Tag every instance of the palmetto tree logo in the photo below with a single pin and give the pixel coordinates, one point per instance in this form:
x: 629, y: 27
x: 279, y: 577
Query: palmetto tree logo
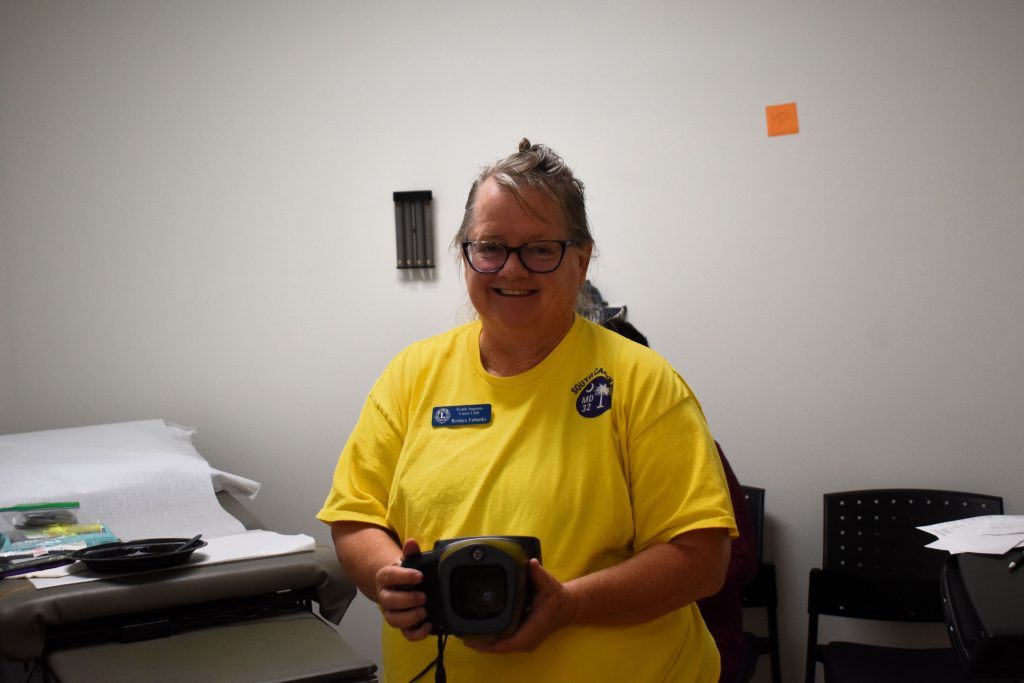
x: 596, y: 397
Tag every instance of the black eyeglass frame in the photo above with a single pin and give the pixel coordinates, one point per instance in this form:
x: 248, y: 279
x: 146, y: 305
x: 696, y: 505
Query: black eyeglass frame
x: 515, y: 250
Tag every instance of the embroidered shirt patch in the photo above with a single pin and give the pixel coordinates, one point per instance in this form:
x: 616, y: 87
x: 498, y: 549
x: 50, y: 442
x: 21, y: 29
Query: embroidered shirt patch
x: 595, y: 398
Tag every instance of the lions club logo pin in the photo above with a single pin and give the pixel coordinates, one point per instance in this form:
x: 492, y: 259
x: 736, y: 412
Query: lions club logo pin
x: 461, y: 416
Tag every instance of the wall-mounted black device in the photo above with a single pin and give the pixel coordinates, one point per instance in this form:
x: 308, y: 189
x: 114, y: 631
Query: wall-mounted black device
x: 414, y: 229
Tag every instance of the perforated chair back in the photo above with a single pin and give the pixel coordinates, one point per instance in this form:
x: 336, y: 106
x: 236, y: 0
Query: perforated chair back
x: 874, y: 532
x: 761, y: 592
x: 755, y: 504
x: 875, y: 566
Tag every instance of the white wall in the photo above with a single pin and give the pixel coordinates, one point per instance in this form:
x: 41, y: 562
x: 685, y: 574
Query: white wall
x: 196, y: 223
x: 6, y: 353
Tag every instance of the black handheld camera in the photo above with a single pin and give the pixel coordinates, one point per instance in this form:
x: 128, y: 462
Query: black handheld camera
x: 478, y: 586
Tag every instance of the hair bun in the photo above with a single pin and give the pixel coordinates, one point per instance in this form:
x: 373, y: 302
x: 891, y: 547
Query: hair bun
x: 524, y: 145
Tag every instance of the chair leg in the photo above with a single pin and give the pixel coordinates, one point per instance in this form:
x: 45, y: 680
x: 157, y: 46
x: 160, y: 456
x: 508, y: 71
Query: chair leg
x: 773, y: 645
x: 812, y: 647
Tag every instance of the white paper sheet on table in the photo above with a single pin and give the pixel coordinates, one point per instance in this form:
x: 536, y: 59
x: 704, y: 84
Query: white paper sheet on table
x: 256, y: 543
x: 987, y: 534
x: 141, y: 479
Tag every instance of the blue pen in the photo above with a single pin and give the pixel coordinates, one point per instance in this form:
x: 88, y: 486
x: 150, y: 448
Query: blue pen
x: 34, y: 565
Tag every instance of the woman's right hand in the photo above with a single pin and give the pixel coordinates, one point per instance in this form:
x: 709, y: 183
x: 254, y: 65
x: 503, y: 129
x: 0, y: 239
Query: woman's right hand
x: 403, y: 609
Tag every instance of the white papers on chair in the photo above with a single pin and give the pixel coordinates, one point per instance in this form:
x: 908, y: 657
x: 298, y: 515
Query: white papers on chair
x: 988, y: 534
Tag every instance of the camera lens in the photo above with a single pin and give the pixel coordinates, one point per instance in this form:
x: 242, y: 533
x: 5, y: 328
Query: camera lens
x: 479, y: 591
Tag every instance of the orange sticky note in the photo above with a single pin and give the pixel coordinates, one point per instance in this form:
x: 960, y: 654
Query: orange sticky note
x: 782, y: 119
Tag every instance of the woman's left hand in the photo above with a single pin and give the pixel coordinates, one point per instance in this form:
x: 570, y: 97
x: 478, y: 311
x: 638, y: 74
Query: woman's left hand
x: 553, y: 608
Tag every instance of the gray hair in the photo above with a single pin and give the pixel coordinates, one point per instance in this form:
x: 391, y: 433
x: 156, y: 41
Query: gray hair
x: 540, y: 167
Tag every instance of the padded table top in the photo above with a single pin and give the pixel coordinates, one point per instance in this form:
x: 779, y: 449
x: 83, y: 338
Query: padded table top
x: 25, y: 611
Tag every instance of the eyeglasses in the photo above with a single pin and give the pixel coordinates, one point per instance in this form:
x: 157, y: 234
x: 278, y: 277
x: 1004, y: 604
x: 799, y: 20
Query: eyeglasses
x: 542, y: 256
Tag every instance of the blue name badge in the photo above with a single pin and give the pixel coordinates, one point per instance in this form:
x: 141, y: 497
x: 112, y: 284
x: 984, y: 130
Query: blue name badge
x: 458, y: 416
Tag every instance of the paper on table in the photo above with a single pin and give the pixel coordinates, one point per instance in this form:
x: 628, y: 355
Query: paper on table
x: 987, y: 534
x: 234, y: 483
x: 256, y: 543
x: 142, y: 479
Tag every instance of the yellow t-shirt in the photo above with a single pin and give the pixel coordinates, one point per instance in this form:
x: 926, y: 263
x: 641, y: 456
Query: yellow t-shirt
x: 600, y: 451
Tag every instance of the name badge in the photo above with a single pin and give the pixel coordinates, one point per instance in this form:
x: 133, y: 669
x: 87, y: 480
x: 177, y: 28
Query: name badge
x: 457, y: 416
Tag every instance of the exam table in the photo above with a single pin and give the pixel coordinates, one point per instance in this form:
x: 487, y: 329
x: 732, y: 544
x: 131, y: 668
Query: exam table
x: 253, y: 618
x: 260, y: 619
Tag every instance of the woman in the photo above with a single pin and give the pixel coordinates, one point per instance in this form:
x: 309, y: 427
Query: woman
x: 594, y: 445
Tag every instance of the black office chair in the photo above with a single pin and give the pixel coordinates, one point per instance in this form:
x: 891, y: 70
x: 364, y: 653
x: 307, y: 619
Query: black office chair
x: 875, y: 566
x: 761, y: 592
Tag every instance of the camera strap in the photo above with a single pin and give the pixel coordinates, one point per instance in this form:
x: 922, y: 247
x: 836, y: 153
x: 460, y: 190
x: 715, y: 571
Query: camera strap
x: 438, y: 664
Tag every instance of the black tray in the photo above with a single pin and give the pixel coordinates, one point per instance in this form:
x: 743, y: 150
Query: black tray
x: 137, y: 556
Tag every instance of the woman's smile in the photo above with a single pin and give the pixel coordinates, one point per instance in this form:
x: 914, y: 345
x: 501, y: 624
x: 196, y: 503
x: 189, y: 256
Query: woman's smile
x: 515, y: 300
